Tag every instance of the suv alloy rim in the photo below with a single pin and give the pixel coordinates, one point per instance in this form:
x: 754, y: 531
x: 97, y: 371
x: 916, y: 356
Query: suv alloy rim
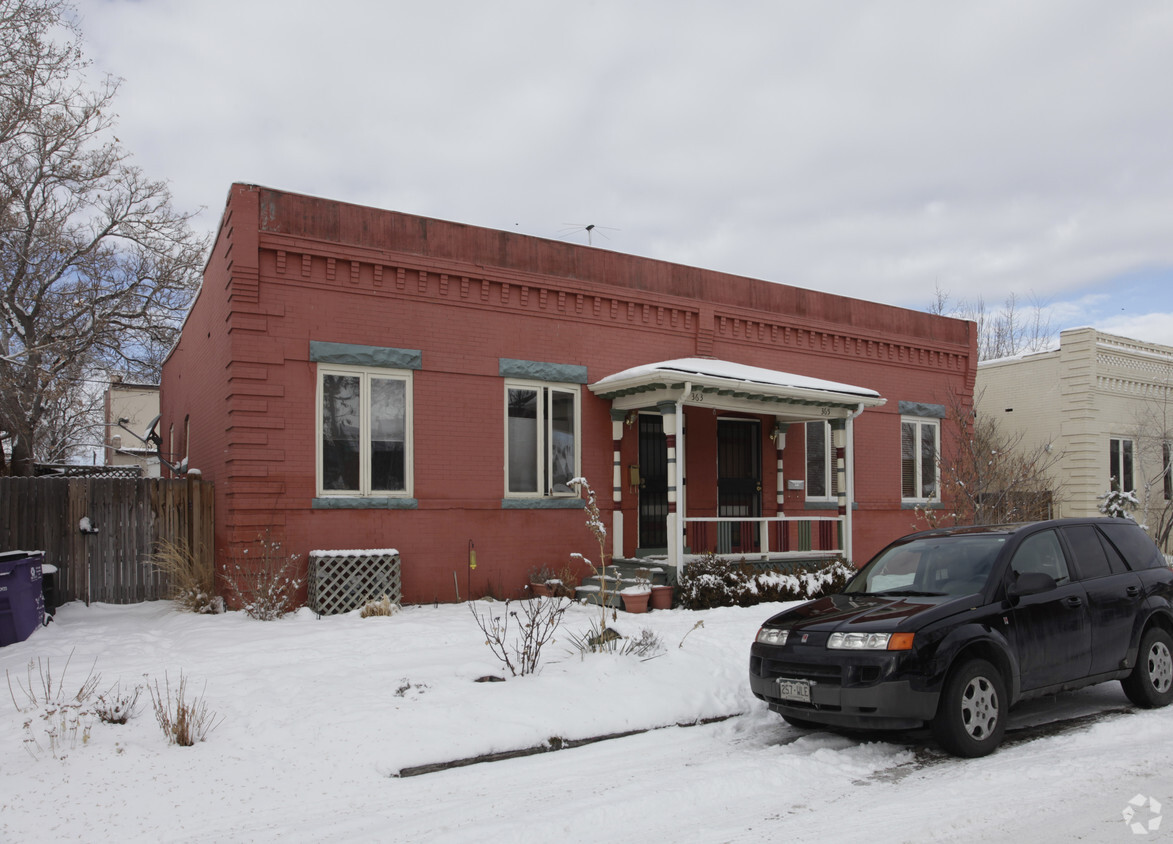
x: 979, y: 708
x: 1160, y: 665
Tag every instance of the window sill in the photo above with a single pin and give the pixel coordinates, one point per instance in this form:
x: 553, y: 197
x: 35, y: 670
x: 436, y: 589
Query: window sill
x: 541, y: 504
x: 821, y: 504
x: 359, y: 503
x: 924, y: 505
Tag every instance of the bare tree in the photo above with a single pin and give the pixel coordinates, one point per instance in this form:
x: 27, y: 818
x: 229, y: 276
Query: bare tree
x: 96, y: 267
x: 1153, y: 462
x: 1003, y: 333
x: 989, y: 477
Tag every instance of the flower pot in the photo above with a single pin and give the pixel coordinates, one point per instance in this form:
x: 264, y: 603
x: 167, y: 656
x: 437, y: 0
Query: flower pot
x: 635, y: 601
x: 541, y: 590
x: 661, y: 597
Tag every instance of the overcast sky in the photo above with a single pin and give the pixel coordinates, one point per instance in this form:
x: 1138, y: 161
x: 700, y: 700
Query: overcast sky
x: 872, y: 149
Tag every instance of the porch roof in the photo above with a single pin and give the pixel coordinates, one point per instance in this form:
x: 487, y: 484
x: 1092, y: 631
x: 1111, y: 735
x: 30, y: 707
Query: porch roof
x: 732, y: 386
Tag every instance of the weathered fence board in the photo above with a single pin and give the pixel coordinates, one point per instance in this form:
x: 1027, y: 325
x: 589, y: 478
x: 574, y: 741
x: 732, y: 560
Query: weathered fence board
x: 44, y: 514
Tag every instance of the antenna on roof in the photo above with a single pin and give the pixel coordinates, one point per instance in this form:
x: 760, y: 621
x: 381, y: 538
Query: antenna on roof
x: 590, y: 229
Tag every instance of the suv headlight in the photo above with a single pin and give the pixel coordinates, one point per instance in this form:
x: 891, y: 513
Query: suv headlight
x: 870, y: 641
x: 772, y: 636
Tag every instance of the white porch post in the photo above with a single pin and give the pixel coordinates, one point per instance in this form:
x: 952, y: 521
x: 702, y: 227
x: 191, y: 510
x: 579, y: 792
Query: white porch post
x: 839, y: 443
x: 617, y: 419
x: 779, y: 436
x: 669, y: 416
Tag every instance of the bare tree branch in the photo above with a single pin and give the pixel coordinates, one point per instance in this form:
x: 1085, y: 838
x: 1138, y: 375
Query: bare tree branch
x: 96, y: 267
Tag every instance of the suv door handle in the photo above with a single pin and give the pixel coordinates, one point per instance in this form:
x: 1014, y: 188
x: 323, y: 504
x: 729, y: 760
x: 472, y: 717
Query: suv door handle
x: 1073, y: 601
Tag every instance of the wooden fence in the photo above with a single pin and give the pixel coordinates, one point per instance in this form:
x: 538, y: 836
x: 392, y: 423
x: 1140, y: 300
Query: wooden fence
x: 111, y: 565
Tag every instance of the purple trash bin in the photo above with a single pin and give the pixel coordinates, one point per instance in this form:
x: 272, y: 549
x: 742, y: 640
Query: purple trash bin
x: 22, y: 602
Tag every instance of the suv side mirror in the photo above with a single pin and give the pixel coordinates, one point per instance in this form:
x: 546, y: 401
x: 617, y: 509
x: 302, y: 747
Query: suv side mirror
x: 1030, y: 583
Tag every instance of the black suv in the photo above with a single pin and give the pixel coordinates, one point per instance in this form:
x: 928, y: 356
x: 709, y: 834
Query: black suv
x: 953, y: 627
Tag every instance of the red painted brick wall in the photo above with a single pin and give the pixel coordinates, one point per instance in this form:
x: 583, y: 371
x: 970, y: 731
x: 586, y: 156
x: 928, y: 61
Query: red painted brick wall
x: 288, y: 269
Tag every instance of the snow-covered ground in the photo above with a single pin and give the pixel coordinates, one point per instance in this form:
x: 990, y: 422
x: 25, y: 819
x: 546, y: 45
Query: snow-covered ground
x: 318, y: 716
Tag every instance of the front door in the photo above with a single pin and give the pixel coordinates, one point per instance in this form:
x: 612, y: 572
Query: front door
x: 739, y: 483
x: 653, y: 483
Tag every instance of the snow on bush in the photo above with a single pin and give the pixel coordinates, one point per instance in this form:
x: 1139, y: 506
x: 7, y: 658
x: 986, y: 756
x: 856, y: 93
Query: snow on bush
x: 1118, y: 504
x: 715, y: 581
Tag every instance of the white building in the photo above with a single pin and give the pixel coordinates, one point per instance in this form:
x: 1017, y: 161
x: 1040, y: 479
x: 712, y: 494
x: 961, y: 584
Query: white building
x: 138, y: 404
x: 1102, y: 402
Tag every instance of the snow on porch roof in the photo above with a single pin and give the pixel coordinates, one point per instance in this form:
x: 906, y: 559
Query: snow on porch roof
x: 724, y: 376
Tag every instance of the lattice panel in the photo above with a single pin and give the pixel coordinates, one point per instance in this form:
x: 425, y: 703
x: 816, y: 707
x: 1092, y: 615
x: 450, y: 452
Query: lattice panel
x: 341, y: 581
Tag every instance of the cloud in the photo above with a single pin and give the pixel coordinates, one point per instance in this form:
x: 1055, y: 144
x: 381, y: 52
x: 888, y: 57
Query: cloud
x: 870, y: 150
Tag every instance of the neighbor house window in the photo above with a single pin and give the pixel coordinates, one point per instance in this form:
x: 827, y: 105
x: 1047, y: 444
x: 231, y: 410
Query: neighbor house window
x: 1120, y: 463
x: 822, y: 481
x: 541, y: 438
x: 919, y: 446
x: 364, y: 431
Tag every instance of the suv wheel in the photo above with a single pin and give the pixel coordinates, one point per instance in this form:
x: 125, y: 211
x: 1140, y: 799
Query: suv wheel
x: 971, y: 716
x: 1150, y: 684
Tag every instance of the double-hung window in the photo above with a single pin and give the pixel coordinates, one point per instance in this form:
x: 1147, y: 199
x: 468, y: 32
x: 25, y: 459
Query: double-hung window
x: 1120, y: 463
x: 920, y: 444
x: 541, y: 438
x: 821, y: 478
x: 364, y: 431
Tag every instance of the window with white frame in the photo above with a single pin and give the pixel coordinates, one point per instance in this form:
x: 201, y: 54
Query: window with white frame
x: 822, y: 480
x: 920, y: 443
x: 1120, y: 463
x: 541, y: 438
x: 364, y: 431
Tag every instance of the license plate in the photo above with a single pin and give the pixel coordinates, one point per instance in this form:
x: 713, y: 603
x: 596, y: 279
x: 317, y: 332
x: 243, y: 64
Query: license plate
x: 799, y: 690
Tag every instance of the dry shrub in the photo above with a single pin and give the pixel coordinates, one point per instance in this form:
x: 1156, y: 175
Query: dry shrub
x: 520, y: 650
x: 117, y: 706
x: 183, y: 721
x: 264, y: 583
x: 192, y: 576
x: 382, y: 607
x: 64, y: 717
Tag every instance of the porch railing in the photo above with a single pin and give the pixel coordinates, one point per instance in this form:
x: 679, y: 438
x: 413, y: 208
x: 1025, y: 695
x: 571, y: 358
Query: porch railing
x: 763, y: 535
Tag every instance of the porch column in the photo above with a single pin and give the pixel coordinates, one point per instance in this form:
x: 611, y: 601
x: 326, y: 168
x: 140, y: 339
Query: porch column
x: 839, y: 444
x: 779, y: 437
x: 668, y: 417
x: 617, y: 419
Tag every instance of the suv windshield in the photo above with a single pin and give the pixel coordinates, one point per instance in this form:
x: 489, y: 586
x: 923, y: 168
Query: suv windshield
x: 934, y: 565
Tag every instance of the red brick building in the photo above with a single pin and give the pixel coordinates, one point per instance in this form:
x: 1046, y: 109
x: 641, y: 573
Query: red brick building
x: 357, y: 378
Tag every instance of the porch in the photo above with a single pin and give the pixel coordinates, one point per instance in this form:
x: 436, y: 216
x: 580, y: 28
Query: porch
x: 729, y: 516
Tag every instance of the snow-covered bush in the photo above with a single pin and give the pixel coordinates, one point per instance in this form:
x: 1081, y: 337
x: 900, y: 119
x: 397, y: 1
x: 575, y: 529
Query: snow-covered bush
x: 715, y: 581
x: 116, y: 706
x: 1117, y: 503
x: 56, y: 720
x: 192, y: 577
x: 264, y: 583
x: 645, y: 646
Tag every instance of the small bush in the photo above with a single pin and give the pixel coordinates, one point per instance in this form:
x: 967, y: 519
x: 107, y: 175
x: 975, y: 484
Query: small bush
x: 521, y: 650
x: 57, y: 719
x: 610, y: 641
x: 192, y: 577
x: 714, y: 581
x: 183, y: 721
x: 264, y: 583
x: 117, y: 706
